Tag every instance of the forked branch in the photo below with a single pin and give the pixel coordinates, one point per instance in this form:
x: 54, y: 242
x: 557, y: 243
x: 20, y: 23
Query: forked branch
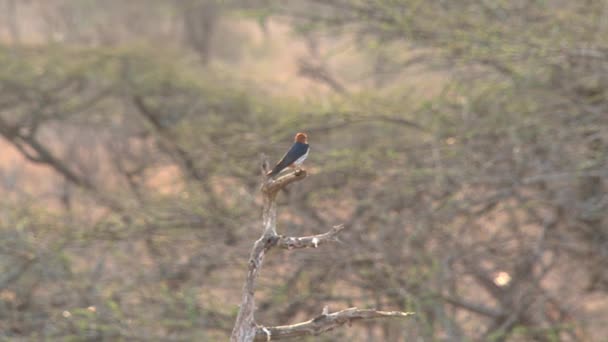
x: 245, y: 328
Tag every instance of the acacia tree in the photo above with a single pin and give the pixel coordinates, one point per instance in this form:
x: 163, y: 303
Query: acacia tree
x: 481, y: 208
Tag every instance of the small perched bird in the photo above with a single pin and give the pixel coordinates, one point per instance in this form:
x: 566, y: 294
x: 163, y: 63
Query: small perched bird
x: 294, y: 157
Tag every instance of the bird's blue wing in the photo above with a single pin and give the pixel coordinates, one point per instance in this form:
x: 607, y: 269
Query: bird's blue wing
x: 297, y: 150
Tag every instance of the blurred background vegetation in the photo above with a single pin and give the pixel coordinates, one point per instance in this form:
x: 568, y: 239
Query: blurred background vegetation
x: 463, y: 143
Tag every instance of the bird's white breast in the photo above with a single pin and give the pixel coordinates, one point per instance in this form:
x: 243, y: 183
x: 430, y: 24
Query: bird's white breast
x: 300, y: 160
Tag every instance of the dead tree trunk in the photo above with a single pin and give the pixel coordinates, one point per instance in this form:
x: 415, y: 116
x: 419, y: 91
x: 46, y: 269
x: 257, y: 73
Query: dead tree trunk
x: 245, y: 328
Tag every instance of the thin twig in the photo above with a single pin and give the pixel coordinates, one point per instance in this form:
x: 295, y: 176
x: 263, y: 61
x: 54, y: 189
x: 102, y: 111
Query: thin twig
x: 314, y: 241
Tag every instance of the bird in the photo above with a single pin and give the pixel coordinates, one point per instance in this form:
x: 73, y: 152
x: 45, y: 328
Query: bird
x: 294, y: 157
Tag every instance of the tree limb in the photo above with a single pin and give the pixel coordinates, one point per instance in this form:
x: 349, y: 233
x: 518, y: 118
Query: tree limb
x: 322, y: 323
x: 314, y: 241
x: 272, y: 186
x: 245, y: 329
x: 473, y: 307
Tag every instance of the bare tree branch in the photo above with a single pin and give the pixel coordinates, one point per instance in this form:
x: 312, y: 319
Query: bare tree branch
x: 314, y: 241
x: 321, y: 74
x: 245, y: 328
x: 474, y: 307
x: 272, y: 186
x: 323, y: 323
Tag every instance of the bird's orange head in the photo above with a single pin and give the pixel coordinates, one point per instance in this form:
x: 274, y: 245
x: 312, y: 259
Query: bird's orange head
x: 302, y: 138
